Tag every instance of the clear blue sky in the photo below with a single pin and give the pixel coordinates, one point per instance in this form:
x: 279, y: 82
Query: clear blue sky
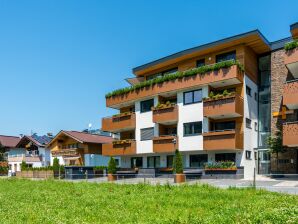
x: 59, y: 58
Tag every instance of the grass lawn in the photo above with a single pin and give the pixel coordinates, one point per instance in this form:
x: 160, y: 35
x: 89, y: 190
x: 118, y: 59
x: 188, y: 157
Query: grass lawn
x: 25, y: 201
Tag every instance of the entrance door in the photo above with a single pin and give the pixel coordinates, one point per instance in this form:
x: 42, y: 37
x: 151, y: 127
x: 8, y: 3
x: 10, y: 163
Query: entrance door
x: 137, y: 162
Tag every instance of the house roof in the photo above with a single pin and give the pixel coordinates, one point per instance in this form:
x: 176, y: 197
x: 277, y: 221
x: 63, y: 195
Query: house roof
x: 9, y: 141
x: 83, y: 137
x: 40, y: 141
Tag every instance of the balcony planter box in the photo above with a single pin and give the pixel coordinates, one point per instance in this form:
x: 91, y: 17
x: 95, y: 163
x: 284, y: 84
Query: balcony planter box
x: 221, y: 171
x: 179, y: 178
x: 229, y: 173
x: 112, y: 177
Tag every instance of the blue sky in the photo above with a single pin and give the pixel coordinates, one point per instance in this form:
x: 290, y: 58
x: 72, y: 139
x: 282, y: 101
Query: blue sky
x: 58, y: 59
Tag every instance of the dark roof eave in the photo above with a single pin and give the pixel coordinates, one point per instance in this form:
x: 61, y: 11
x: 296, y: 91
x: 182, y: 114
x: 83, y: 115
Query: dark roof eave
x: 294, y: 26
x: 201, y: 47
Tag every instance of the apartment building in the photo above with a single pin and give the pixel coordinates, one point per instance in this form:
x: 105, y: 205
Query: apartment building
x: 212, y: 102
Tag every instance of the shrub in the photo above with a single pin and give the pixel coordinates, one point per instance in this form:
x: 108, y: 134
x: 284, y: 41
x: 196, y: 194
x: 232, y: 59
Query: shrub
x: 225, y: 92
x: 23, y: 166
x: 56, y: 164
x: 178, y: 165
x: 221, y: 165
x: 99, y: 168
x: 291, y: 45
x: 112, y: 167
x: 178, y: 75
x: 211, y: 94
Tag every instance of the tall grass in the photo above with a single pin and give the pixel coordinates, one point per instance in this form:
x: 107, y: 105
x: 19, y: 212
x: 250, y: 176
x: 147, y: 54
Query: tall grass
x: 25, y: 201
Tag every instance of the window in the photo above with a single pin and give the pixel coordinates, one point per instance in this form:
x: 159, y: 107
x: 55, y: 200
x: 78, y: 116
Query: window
x: 221, y: 126
x: 225, y: 157
x: 248, y: 154
x: 170, y: 161
x: 256, y: 126
x: 248, y: 123
x: 146, y: 105
x: 198, y: 161
x: 193, y: 128
x: 226, y: 56
x: 166, y: 72
x: 248, y: 90
x: 200, y: 63
x: 192, y: 97
x: 136, y: 162
x: 153, y: 162
x: 256, y: 96
x: 170, y: 71
x: 147, y: 134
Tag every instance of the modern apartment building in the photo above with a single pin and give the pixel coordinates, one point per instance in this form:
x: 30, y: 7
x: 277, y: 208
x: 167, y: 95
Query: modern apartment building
x: 213, y: 102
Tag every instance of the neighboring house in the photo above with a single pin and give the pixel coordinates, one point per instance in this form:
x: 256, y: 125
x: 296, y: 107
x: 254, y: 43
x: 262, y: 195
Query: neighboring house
x: 32, y: 150
x: 6, y: 143
x: 216, y: 115
x: 79, y: 148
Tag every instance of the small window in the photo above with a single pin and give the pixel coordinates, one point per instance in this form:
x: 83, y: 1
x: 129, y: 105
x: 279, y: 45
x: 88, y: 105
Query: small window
x: 256, y: 96
x: 248, y: 123
x: 248, y: 90
x: 192, y: 97
x: 153, y: 161
x: 225, y: 157
x: 256, y: 126
x: 226, y: 56
x: 248, y: 154
x: 147, y: 134
x: 170, y: 71
x: 146, y: 105
x: 200, y: 63
x: 193, y: 128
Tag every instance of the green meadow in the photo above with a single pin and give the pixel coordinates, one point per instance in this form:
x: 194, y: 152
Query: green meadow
x: 25, y: 201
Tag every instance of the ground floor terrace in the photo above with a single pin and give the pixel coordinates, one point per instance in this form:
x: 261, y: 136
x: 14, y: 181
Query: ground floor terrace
x: 194, y: 163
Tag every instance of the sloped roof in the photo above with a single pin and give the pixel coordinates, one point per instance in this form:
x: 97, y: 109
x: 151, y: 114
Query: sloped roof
x: 40, y: 141
x: 84, y: 137
x: 9, y: 141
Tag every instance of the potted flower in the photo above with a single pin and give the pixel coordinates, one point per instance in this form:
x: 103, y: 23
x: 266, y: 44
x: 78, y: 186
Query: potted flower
x: 179, y: 176
x: 112, y: 170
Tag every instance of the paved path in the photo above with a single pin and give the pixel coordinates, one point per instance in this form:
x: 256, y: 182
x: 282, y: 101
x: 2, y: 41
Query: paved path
x: 281, y: 185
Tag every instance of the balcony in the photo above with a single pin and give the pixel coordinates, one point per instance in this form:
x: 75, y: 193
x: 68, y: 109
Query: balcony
x: 165, y: 114
x: 119, y: 148
x: 225, y: 107
x: 290, y: 94
x: 24, y: 157
x: 223, y: 140
x: 120, y: 122
x: 165, y: 144
x: 290, y: 134
x: 291, y: 61
x: 223, y: 77
x: 66, y: 152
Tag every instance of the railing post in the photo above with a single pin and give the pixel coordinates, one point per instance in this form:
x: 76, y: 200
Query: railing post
x: 254, y: 180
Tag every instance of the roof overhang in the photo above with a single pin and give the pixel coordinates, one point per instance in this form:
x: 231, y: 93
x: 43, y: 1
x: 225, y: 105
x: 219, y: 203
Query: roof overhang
x: 294, y: 30
x: 253, y: 39
x: 61, y: 133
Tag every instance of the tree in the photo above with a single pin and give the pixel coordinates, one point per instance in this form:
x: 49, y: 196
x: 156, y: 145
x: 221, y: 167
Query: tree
x: 112, y: 166
x: 56, y: 164
x: 2, y: 151
x: 178, y: 165
x: 23, y: 166
x: 275, y: 145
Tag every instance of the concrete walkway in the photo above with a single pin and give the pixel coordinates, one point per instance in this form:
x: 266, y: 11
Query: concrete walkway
x: 276, y: 185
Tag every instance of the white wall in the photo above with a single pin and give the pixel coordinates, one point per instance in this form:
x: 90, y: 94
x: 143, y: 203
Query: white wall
x: 250, y: 135
x: 144, y: 120
x: 190, y: 113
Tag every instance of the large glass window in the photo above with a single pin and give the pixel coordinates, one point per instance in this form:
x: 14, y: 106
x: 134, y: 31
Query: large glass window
x: 153, y: 162
x: 225, y: 157
x: 193, y: 128
x: 221, y: 126
x: 170, y: 161
x: 146, y: 105
x: 226, y: 56
x: 136, y: 162
x: 192, y: 97
x: 198, y: 161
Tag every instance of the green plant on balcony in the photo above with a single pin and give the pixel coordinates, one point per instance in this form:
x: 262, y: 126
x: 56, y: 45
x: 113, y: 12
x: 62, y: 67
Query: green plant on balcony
x: 291, y: 45
x: 166, y: 105
x: 120, y: 142
x: 178, y: 75
x: 122, y: 114
x: 218, y: 95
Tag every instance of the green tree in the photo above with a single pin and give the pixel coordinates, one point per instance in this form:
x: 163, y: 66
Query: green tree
x: 112, y: 167
x: 178, y: 165
x: 275, y: 145
x: 56, y: 164
x: 23, y: 166
x: 2, y: 151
